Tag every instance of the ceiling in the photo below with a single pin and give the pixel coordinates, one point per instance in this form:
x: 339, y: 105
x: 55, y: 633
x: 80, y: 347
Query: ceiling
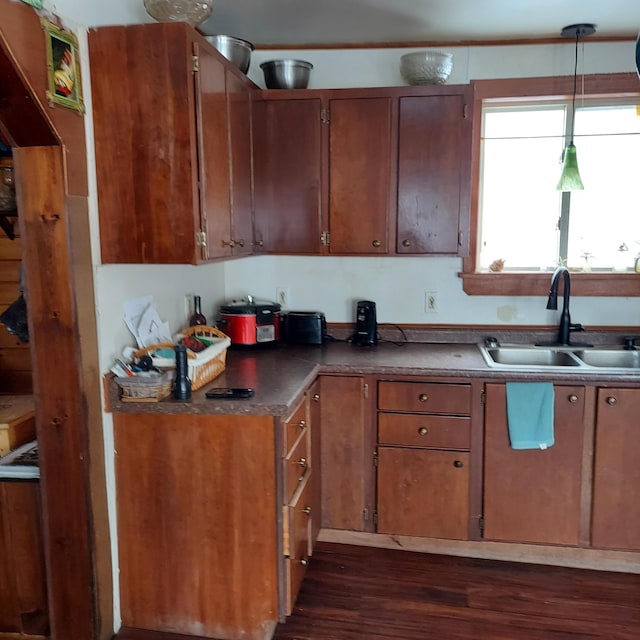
x: 309, y: 23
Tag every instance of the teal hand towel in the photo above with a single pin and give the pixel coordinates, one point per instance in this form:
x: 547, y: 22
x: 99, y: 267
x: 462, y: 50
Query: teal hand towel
x: 530, y: 414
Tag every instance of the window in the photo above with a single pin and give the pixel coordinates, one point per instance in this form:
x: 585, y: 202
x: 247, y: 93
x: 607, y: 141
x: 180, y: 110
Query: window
x: 530, y: 225
x: 523, y: 226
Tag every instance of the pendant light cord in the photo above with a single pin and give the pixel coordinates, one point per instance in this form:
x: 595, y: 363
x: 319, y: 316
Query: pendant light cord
x: 575, y: 85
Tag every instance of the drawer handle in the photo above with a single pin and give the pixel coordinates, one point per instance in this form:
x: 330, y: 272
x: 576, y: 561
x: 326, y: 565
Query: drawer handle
x: 406, y: 243
x: 423, y: 397
x: 302, y: 463
x: 423, y: 431
x: 307, y: 511
x: 376, y: 243
x: 611, y: 400
x: 302, y: 424
x: 458, y: 464
x: 573, y: 398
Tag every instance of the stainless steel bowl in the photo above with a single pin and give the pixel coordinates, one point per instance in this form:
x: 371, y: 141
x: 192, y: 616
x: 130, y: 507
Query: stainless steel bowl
x: 286, y: 74
x: 235, y: 49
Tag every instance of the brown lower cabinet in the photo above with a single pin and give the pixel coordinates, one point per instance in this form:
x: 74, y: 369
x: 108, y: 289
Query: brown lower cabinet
x: 423, y: 459
x: 616, y: 482
x: 534, y: 495
x: 23, y: 594
x: 215, y: 520
x: 347, y: 453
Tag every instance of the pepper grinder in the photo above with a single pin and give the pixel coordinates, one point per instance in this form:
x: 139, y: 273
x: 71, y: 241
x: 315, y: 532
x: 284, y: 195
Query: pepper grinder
x: 181, y: 384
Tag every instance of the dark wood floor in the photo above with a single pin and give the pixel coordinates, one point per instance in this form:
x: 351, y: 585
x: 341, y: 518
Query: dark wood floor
x: 357, y: 593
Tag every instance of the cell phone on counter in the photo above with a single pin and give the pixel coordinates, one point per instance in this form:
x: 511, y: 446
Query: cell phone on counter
x: 230, y: 393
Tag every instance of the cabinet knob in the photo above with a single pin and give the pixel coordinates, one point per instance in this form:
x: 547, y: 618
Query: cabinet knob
x: 302, y: 463
x: 573, y: 398
x: 316, y: 397
x: 302, y: 424
x: 423, y: 431
x: 258, y: 243
x: 240, y: 242
x: 406, y: 243
x: 458, y: 464
x: 376, y: 243
x: 611, y: 400
x: 304, y: 562
x: 307, y: 511
x: 423, y: 397
x: 229, y: 244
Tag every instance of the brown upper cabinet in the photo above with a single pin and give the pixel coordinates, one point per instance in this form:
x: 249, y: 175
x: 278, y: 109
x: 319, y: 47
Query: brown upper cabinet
x: 287, y: 180
x: 360, y: 175
x: 170, y: 136
x: 434, y: 155
x: 239, y: 99
x: 381, y: 171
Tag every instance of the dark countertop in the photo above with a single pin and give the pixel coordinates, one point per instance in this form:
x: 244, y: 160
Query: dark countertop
x: 280, y: 374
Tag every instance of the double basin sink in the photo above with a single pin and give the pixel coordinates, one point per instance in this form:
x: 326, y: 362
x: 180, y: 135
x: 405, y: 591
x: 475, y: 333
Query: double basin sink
x: 597, y: 358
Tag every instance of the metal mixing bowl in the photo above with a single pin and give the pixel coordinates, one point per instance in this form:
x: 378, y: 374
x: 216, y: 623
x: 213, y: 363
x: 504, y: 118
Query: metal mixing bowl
x: 286, y: 74
x: 235, y: 49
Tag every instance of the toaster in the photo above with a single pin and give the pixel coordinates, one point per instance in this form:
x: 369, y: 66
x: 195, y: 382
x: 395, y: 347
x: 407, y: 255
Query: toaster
x: 304, y: 327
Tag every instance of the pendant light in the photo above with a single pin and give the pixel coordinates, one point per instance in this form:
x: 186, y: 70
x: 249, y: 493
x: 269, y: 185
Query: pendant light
x: 570, y: 177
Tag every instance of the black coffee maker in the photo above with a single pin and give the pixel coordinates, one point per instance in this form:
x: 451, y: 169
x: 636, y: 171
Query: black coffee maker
x: 366, y: 334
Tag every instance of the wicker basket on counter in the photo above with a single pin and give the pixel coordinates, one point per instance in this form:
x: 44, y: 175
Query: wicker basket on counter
x: 203, y: 367
x: 145, y: 389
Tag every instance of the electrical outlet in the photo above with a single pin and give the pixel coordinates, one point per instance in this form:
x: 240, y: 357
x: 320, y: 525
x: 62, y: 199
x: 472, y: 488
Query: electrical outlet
x: 431, y: 302
x: 283, y: 297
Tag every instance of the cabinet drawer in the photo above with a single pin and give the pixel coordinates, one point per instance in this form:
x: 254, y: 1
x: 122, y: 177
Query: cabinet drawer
x: 415, y: 430
x: 298, y: 540
x: 295, y: 467
x: 294, y: 426
x: 300, y: 517
x: 428, y: 397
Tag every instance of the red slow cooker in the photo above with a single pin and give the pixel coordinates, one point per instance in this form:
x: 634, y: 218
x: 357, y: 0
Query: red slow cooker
x: 250, y: 322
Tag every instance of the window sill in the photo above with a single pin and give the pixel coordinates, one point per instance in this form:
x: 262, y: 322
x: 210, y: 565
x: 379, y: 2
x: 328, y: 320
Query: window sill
x: 610, y: 284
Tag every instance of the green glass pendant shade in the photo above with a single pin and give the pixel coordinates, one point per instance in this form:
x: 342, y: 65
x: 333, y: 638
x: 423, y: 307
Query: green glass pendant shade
x: 570, y: 177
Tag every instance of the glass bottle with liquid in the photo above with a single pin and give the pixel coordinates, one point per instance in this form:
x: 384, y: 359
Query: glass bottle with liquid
x: 198, y: 318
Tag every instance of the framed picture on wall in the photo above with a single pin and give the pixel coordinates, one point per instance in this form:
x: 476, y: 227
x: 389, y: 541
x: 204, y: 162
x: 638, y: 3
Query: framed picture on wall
x: 63, y: 70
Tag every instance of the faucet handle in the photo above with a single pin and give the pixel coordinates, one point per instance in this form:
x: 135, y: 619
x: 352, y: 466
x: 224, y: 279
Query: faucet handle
x: 576, y: 327
x: 630, y: 342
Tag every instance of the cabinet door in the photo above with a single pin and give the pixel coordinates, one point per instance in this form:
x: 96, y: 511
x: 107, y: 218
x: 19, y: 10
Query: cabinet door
x: 23, y: 595
x: 360, y: 156
x: 423, y: 493
x: 434, y: 150
x: 534, y: 495
x: 346, y: 459
x: 616, y: 488
x: 287, y: 157
x: 239, y: 104
x: 145, y: 143
x: 213, y: 148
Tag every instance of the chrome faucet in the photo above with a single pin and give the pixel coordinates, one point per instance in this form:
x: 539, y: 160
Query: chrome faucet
x: 566, y: 327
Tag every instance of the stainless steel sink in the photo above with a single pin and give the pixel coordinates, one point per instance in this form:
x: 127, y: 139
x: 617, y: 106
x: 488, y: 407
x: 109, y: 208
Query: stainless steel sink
x: 610, y: 358
x: 532, y: 357
x: 594, y: 359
